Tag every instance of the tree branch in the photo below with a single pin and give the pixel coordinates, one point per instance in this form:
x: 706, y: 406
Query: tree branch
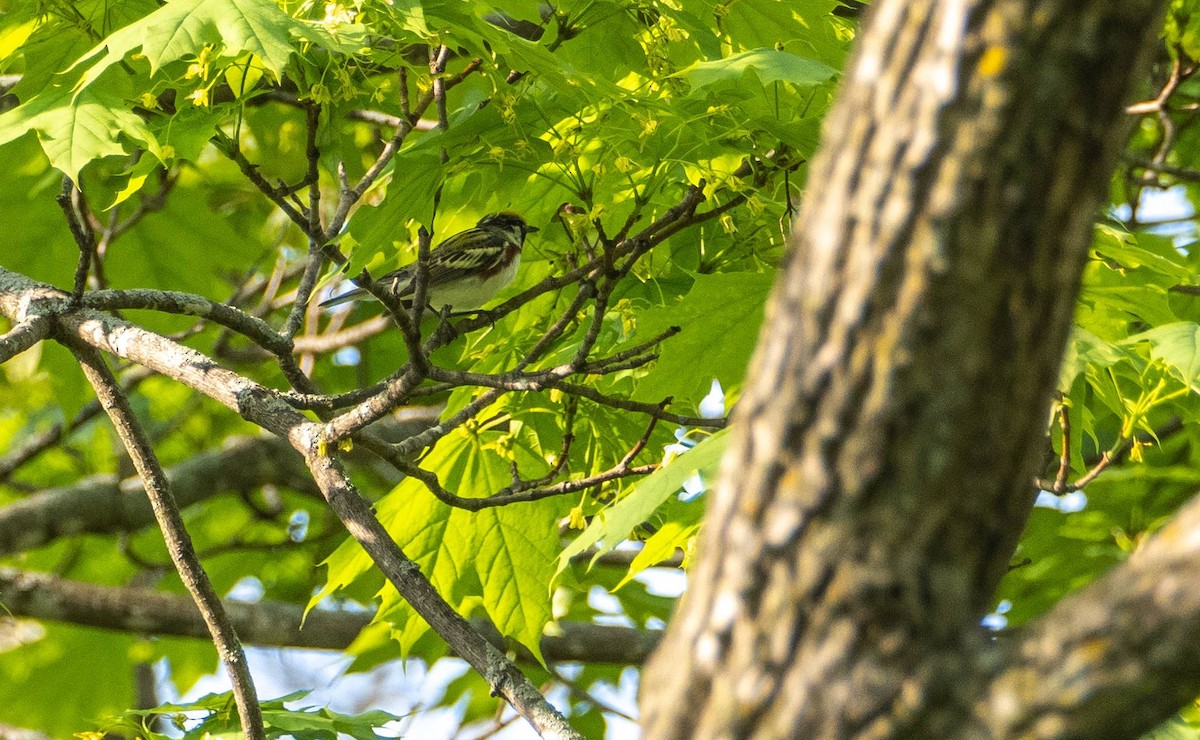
x: 273, y: 623
x: 23, y: 335
x: 315, y: 344
x: 316, y: 255
x: 266, y: 408
x: 914, y: 339
x: 232, y: 149
x: 179, y: 543
x: 516, y: 493
x: 1114, y: 659
x: 34, y: 444
x: 104, y: 504
x: 188, y: 304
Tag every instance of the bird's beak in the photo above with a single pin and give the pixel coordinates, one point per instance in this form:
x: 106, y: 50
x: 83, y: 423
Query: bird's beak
x: 531, y: 229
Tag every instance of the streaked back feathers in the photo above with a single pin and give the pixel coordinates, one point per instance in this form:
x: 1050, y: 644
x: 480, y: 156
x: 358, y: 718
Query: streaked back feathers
x: 467, y: 268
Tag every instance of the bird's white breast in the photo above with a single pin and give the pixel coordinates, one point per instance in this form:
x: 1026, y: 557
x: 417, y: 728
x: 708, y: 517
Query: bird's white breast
x: 473, y: 293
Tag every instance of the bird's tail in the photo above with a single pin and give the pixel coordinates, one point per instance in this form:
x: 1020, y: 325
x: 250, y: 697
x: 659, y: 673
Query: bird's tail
x: 350, y: 295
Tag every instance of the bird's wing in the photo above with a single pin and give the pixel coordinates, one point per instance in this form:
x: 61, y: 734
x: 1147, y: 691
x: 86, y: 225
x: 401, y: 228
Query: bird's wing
x: 453, y: 260
x: 450, y: 261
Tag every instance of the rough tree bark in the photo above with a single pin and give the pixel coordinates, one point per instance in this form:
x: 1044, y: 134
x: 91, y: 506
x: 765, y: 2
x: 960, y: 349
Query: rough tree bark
x: 878, y: 476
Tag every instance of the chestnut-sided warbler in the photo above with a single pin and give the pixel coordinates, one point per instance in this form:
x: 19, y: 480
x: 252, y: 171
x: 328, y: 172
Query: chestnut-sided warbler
x: 465, y: 270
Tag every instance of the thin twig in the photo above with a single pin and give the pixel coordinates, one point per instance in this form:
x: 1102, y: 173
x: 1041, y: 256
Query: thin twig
x: 1064, y: 461
x: 599, y: 309
x: 316, y: 344
x: 351, y: 195
x: 380, y: 118
x: 387, y: 294
x: 437, y: 431
x: 437, y: 66
x: 560, y: 461
x: 650, y: 409
x: 33, y: 445
x: 575, y: 688
x: 1094, y: 472
x: 84, y: 238
x: 402, y: 90
x: 233, y: 151
x: 624, y: 558
x: 1112, y: 456
x: 1179, y: 73
x: 147, y: 204
x: 321, y: 402
x: 639, y: 445
x: 505, y: 496
x: 586, y: 291
x: 373, y: 408
x: 316, y: 257
x: 420, y: 280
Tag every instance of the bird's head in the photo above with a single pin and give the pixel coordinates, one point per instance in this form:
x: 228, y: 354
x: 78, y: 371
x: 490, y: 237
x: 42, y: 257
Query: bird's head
x: 509, y: 222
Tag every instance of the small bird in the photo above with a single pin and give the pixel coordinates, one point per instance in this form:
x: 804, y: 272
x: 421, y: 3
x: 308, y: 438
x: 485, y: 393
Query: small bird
x: 465, y: 270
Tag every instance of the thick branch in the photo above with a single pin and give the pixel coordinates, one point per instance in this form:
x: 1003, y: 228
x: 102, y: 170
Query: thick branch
x: 1115, y: 659
x: 103, y: 504
x: 169, y: 301
x: 23, y: 336
x: 273, y: 623
x: 911, y: 346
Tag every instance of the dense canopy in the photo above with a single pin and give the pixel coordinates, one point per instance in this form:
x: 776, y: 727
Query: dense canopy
x: 187, y: 180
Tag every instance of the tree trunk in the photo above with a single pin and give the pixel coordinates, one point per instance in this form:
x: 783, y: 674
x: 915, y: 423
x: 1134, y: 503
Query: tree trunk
x: 879, y: 473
